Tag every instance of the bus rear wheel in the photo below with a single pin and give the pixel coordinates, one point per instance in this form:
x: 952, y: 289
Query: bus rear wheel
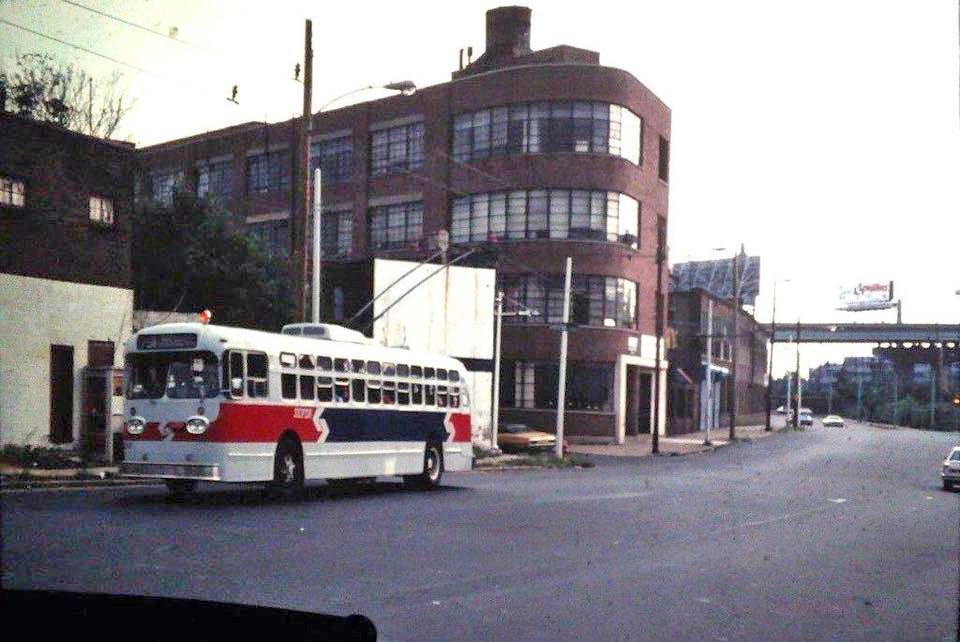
x: 288, y: 466
x: 180, y: 488
x: 429, y: 479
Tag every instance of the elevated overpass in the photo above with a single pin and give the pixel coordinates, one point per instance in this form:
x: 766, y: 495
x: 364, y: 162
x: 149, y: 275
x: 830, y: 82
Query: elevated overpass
x: 877, y: 333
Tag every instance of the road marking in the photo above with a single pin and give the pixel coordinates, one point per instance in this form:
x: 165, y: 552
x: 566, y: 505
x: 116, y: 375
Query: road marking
x: 838, y: 500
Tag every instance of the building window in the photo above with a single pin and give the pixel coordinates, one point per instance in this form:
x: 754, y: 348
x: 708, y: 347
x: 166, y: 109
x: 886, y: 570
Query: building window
x: 395, y: 226
x: 164, y: 184
x: 101, y: 210
x: 606, y: 301
x: 338, y: 303
x: 273, y: 235
x: 215, y: 180
x: 397, y: 149
x: 524, y: 385
x: 536, y: 128
x: 334, y: 158
x: 337, y: 234
x: 268, y: 172
x: 540, y: 214
x: 534, y: 385
x: 664, y: 163
x: 12, y: 192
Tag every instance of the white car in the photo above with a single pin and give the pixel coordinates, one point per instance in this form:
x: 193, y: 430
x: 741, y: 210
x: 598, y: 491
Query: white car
x: 951, y: 469
x: 806, y: 417
x: 833, y: 420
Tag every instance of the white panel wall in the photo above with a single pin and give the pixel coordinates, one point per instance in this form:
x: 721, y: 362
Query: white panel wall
x: 451, y: 313
x: 34, y: 314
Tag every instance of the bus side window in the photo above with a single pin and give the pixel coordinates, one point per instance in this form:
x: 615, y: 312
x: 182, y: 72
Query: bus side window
x: 288, y: 360
x: 389, y: 392
x: 359, y: 390
x: 416, y: 372
x: 236, y: 374
x: 373, y: 367
x: 403, y: 393
x: 373, y: 391
x: 429, y: 395
x: 324, y: 389
x: 416, y: 394
x: 342, y: 390
x: 357, y: 366
x: 288, y: 386
x: 325, y: 364
x: 454, y: 397
x: 256, y: 374
x: 225, y: 373
x: 307, y: 384
x: 341, y: 365
x: 389, y: 370
x: 454, y: 375
x: 464, y: 398
x: 442, y: 396
x: 403, y: 370
x: 306, y: 362
x: 441, y: 374
x: 428, y: 373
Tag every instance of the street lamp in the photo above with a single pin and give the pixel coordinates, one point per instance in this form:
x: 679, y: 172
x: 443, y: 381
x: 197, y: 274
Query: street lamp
x: 773, y: 341
x: 405, y: 87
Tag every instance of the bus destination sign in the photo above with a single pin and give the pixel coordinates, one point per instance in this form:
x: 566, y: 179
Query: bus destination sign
x: 166, y: 341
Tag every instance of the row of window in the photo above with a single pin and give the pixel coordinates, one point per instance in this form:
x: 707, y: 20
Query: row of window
x: 589, y: 386
x: 367, y: 367
x: 541, y: 214
x: 595, y: 300
x: 533, y: 128
x: 13, y: 193
x: 369, y: 391
x: 526, y: 128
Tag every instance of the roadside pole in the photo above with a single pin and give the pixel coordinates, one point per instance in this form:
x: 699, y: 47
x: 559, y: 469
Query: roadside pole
x: 736, y: 341
x: 773, y: 343
x: 796, y: 414
x: 317, y: 213
x: 561, y: 393
x: 495, y: 415
x: 658, y: 324
x: 709, y: 390
x: 789, y: 405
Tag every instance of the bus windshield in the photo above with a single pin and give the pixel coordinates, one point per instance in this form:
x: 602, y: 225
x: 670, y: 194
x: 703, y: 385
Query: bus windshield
x: 153, y: 375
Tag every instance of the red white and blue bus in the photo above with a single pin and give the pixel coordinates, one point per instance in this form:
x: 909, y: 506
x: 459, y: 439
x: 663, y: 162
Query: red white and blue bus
x: 223, y: 404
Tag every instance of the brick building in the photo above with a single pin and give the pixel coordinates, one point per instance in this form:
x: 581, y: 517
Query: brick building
x: 688, y: 320
x: 530, y: 156
x: 65, y: 287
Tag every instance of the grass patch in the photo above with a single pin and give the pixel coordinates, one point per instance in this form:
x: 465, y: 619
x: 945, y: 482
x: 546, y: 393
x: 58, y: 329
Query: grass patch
x: 40, y: 457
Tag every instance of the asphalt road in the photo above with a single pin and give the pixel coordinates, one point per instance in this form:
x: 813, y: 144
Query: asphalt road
x: 824, y: 534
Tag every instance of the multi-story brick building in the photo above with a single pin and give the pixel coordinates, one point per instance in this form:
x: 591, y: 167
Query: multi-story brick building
x: 65, y: 287
x: 688, y: 319
x: 533, y: 156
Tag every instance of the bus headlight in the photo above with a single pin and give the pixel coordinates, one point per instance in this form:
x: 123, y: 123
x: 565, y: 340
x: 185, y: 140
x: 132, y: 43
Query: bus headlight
x: 197, y: 425
x: 135, y: 425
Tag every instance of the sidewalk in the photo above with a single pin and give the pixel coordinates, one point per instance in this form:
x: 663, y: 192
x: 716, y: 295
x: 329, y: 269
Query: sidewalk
x: 640, y: 445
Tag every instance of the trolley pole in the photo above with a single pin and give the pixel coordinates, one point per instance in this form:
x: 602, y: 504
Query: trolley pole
x: 561, y: 393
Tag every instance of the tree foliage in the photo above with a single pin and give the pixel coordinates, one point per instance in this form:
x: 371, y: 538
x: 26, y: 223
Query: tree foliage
x: 44, y: 88
x: 187, y: 258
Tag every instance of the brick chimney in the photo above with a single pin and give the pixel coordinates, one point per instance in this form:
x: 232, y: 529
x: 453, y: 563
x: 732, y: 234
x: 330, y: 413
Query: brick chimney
x: 508, y: 32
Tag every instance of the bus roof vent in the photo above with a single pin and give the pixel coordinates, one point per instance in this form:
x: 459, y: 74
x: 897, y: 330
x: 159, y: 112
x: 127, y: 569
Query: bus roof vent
x: 327, y: 331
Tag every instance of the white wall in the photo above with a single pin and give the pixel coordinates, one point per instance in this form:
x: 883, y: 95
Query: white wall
x: 451, y: 313
x: 34, y: 314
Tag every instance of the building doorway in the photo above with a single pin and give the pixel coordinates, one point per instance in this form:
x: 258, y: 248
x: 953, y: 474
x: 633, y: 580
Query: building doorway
x: 645, y: 411
x: 632, y: 408
x: 61, y: 394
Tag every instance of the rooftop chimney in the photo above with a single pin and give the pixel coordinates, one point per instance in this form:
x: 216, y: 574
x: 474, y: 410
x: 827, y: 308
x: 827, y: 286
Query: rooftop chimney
x: 508, y: 32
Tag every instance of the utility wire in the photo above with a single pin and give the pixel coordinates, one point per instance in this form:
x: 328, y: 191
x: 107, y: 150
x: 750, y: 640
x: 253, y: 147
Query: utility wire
x: 70, y: 44
x: 134, y: 25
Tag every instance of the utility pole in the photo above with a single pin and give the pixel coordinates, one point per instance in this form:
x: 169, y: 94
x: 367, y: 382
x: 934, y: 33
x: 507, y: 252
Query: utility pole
x: 796, y: 414
x: 301, y: 176
x: 773, y: 339
x: 736, y: 319
x: 317, y: 241
x: 709, y: 389
x: 859, y: 395
x: 658, y: 324
x: 561, y: 393
x: 789, y: 405
x: 495, y: 414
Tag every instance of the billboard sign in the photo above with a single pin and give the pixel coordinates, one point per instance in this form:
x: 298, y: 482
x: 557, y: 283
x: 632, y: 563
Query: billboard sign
x: 867, y: 296
x: 716, y: 277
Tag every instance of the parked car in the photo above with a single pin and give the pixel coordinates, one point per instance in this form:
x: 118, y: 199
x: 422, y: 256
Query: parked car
x: 833, y: 420
x: 806, y: 417
x: 518, y: 437
x: 951, y: 469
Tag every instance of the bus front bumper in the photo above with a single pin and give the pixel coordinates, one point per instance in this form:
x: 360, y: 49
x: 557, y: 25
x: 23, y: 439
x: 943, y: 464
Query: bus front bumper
x: 205, y: 472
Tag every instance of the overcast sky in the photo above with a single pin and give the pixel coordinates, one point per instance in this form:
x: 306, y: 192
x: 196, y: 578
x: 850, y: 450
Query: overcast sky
x: 824, y: 135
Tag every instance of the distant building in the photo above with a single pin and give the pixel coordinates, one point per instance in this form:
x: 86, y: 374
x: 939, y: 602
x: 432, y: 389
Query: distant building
x: 688, y: 318
x: 527, y: 157
x: 65, y: 287
x: 864, y: 369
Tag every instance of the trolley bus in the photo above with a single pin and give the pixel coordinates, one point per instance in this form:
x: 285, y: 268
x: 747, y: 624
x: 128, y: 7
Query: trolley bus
x: 223, y: 404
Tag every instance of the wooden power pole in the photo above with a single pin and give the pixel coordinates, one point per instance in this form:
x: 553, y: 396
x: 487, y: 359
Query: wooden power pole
x: 301, y: 178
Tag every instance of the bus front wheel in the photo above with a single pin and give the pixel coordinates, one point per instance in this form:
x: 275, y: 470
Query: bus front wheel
x: 429, y: 479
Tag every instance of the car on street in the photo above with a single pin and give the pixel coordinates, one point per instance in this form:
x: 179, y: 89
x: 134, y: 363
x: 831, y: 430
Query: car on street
x: 806, y: 417
x: 515, y: 437
x: 833, y: 420
x: 951, y: 469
